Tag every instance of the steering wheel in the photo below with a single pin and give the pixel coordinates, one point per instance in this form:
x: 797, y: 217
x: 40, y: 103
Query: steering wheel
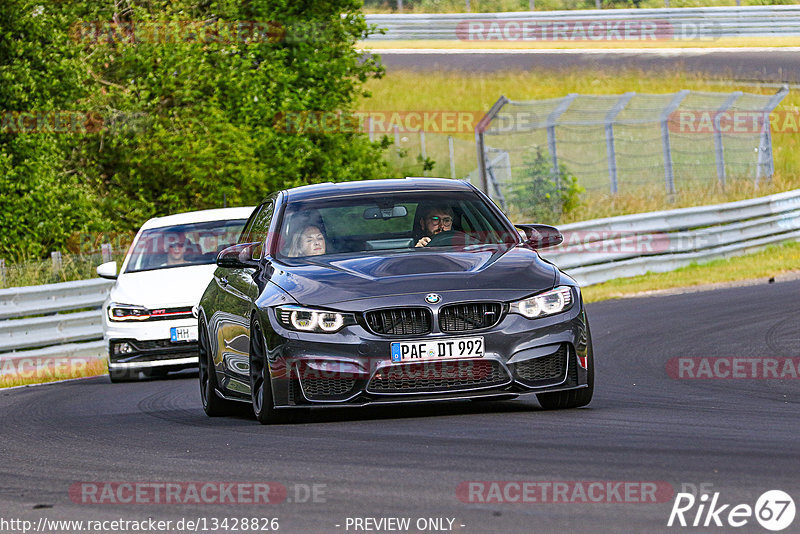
x: 448, y: 239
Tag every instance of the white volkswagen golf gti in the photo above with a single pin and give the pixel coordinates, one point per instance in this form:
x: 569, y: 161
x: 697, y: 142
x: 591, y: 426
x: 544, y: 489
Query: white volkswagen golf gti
x: 148, y: 322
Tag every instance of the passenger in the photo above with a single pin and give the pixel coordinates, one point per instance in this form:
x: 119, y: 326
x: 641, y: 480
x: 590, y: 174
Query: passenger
x: 309, y: 242
x: 432, y: 220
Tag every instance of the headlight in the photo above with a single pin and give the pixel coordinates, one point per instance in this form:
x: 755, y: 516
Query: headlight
x: 310, y: 320
x: 127, y: 312
x: 548, y: 303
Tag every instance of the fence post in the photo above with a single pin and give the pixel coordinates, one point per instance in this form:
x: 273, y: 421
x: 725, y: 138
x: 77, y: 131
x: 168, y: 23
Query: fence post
x: 551, y: 133
x: 766, y: 165
x: 480, y: 141
x: 396, y: 136
x: 719, y: 149
x: 105, y: 250
x: 3, y: 272
x: 609, y: 127
x: 669, y: 175
x: 55, y: 257
x: 452, y: 156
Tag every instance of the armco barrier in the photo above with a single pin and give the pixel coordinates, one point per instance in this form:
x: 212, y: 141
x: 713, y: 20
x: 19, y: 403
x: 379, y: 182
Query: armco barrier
x: 593, y: 251
x: 618, y: 247
x: 683, y: 23
x: 56, y: 328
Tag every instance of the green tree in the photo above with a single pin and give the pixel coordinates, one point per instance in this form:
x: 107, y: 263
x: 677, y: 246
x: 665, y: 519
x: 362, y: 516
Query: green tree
x: 535, y: 194
x: 44, y: 201
x: 198, y: 118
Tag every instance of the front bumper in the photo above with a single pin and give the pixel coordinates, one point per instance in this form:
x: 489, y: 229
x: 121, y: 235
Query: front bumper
x: 147, y: 345
x: 354, y: 366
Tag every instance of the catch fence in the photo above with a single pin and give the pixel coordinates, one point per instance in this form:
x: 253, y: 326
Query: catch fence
x: 622, y: 143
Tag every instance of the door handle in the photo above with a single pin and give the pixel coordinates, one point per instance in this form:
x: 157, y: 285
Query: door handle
x: 223, y: 281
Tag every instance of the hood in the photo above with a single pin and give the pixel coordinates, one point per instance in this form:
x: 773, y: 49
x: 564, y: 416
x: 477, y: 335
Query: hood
x: 507, y: 272
x: 163, y: 288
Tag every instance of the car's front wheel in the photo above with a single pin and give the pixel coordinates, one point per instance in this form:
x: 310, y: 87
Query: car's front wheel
x: 260, y: 384
x: 213, y: 404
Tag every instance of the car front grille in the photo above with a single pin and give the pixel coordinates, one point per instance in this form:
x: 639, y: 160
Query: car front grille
x: 400, y: 321
x: 437, y: 377
x: 327, y: 388
x: 544, y: 370
x: 469, y: 316
x: 322, y: 384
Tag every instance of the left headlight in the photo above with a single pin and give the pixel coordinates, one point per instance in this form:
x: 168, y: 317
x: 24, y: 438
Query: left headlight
x: 548, y: 303
x: 312, y: 320
x: 127, y: 312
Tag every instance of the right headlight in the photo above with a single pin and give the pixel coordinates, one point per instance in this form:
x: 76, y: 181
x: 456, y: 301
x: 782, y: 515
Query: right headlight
x: 548, y: 303
x: 311, y: 320
x: 127, y: 312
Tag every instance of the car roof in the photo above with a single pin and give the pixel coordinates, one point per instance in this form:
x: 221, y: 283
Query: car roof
x: 219, y: 214
x: 330, y: 189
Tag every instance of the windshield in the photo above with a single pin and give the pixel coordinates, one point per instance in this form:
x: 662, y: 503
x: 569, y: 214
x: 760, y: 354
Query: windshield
x: 411, y: 221
x: 182, y: 245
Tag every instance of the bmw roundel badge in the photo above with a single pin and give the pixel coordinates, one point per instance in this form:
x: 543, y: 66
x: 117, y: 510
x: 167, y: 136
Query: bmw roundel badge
x: 432, y: 298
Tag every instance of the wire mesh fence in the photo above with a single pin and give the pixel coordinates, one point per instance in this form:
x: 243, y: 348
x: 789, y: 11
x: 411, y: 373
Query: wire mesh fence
x: 620, y: 143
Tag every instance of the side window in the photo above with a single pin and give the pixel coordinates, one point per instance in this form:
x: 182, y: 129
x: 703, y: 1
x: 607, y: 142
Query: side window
x: 262, y: 221
x: 248, y: 226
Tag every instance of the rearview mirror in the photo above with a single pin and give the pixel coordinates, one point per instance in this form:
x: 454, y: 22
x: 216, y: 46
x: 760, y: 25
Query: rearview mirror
x: 541, y: 235
x: 385, y: 213
x: 107, y: 270
x: 240, y: 256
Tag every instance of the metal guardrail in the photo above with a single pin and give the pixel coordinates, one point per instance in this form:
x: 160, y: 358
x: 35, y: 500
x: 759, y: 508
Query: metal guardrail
x: 593, y: 251
x: 52, y: 329
x: 676, y: 23
x: 618, y: 247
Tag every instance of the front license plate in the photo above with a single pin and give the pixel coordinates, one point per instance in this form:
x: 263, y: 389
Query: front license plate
x: 182, y: 333
x: 418, y: 351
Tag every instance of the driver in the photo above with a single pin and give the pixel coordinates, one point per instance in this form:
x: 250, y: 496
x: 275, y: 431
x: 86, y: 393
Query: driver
x: 433, y: 220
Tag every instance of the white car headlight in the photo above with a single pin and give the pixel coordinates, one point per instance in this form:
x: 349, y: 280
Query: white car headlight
x: 310, y: 320
x: 547, y: 303
x: 127, y: 312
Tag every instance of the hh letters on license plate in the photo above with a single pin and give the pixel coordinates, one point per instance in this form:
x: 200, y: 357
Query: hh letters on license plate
x: 416, y: 351
x: 183, y: 333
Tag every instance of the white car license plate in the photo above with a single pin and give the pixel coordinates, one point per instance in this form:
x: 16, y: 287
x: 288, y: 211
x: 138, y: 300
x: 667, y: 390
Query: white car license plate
x: 440, y: 349
x: 183, y: 333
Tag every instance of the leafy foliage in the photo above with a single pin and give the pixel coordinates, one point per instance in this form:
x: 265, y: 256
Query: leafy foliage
x: 537, y: 196
x: 188, y: 113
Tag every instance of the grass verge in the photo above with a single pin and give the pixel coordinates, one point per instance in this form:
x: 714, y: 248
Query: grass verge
x: 771, y: 262
x: 28, y: 371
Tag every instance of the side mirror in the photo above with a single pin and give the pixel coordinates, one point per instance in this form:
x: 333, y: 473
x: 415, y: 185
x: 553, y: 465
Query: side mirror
x: 107, y: 270
x: 541, y: 235
x: 240, y: 256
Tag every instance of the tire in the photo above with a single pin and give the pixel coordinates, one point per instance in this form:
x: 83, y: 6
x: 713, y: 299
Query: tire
x: 260, y: 382
x: 574, y: 398
x: 213, y: 404
x: 126, y: 375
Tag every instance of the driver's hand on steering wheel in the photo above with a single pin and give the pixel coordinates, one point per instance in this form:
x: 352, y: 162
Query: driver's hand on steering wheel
x: 423, y: 242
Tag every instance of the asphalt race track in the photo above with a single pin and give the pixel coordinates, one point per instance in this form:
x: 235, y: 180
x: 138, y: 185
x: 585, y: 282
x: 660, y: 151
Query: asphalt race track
x: 771, y: 66
x: 739, y: 437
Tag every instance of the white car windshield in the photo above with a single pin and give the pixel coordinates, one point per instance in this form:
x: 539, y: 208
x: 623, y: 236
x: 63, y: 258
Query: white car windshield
x: 182, y: 245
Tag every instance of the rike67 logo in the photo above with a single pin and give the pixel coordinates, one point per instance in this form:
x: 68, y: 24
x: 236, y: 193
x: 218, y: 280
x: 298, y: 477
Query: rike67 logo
x: 774, y: 510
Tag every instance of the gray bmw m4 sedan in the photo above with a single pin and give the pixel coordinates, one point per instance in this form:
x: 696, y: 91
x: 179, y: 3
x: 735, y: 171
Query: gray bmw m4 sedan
x: 385, y: 292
